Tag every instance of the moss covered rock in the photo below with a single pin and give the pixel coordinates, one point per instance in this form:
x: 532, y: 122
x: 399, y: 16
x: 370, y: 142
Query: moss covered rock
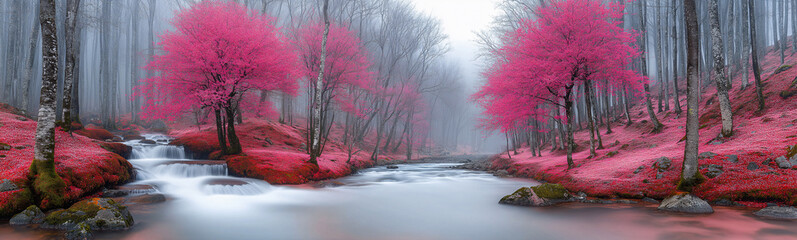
x: 102, y: 214
x: 782, y: 69
x: 31, y: 215
x: 551, y: 191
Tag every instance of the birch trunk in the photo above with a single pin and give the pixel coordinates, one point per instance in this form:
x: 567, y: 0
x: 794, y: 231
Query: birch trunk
x: 723, y: 85
x: 690, y: 177
x: 315, y: 147
x: 47, y: 185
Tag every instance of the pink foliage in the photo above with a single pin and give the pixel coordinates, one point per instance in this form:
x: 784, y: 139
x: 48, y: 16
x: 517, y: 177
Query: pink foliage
x: 346, y: 66
x: 217, y: 52
x: 572, y: 42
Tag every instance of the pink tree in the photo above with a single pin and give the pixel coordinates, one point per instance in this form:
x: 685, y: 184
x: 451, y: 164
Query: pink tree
x: 573, y: 42
x: 218, y: 52
x: 345, y: 72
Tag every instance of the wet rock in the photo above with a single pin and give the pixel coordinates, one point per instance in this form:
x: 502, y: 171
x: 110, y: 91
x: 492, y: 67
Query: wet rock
x: 714, y: 170
x: 537, y: 196
x: 31, y: 215
x: 726, y: 202
x: 625, y: 201
x: 101, y: 214
x: 117, y: 139
x: 501, y: 173
x: 752, y: 166
x: 650, y: 200
x: 150, y: 198
x: 705, y: 155
x: 7, y: 185
x: 81, y: 232
x: 392, y: 167
x: 732, y: 158
x: 147, y: 141
x: 685, y: 203
x: 639, y: 169
x: 663, y: 163
x: 776, y: 212
x: 325, y: 184
x: 114, y: 193
x: 524, y: 197
x: 783, y: 162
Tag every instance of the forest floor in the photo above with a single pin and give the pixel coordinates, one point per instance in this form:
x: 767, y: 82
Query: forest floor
x: 86, y: 165
x: 741, y: 168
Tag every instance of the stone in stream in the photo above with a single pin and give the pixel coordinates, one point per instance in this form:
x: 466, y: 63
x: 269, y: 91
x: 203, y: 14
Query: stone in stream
x: 392, y: 167
x: 537, y: 196
x: 685, y: 203
x: 147, y: 141
x: 776, y: 212
x: 31, y: 215
x: 99, y: 214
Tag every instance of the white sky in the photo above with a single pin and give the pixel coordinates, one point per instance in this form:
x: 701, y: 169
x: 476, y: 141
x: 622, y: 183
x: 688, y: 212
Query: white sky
x: 460, y: 19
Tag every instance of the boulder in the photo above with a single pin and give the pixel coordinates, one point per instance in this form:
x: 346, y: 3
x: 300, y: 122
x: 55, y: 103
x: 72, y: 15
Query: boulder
x: 147, y: 141
x: 752, y: 166
x: 538, y: 196
x: 783, y: 162
x: 639, y: 169
x: 685, y: 203
x: 31, y: 215
x: 99, y: 214
x: 81, y: 232
x: 776, y: 212
x: 663, y: 163
x: 705, y: 155
x: 714, y: 170
x: 732, y: 158
x: 7, y: 185
x: 392, y: 167
x: 524, y: 196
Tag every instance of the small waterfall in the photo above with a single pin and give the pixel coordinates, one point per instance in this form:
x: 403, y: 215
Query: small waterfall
x: 157, y: 151
x: 167, y: 168
x: 189, y: 170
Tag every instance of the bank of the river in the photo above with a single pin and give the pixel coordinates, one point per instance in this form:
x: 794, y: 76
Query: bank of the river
x: 86, y: 165
x: 276, y: 152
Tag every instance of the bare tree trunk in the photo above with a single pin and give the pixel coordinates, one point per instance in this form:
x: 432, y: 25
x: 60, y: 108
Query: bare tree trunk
x: 134, y: 71
x: 47, y: 185
x: 235, y: 144
x: 690, y: 177
x: 753, y: 44
x: 34, y: 42
x: 675, y: 58
x: 569, y: 113
x: 220, y: 130
x: 723, y: 85
x: 590, y: 123
x: 653, y: 119
x: 315, y: 147
x: 69, y: 76
x: 746, y: 44
x: 626, y: 103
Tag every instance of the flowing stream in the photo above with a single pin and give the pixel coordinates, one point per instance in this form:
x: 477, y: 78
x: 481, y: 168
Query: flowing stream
x: 414, y: 201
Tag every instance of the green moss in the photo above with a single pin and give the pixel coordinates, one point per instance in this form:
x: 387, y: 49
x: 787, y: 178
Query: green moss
x: 691, y: 183
x: 78, y: 212
x: 782, y: 68
x: 550, y: 191
x: 523, y: 192
x: 612, y: 153
x: 786, y: 94
x: 4, y: 147
x: 791, y: 151
x: 47, y: 185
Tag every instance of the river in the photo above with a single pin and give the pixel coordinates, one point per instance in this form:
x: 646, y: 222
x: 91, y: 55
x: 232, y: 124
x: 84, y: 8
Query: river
x: 414, y: 201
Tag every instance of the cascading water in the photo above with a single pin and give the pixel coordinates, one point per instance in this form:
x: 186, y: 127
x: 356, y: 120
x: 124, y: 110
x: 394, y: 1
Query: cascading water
x: 167, y: 169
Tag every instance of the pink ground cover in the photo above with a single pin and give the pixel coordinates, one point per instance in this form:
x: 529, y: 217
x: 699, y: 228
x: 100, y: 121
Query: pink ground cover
x: 281, y: 162
x: 758, y: 136
x: 83, y: 164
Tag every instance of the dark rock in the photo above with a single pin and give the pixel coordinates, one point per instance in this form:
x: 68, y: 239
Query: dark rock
x: 650, y: 200
x: 537, y: 196
x: 150, y: 198
x: 4, y: 147
x: 101, y: 214
x: 639, y: 169
x: 732, y: 158
x: 114, y: 193
x: 726, y: 202
x: 501, y: 173
x: 663, y: 163
x: 612, y: 153
x: 625, y: 201
x: 705, y: 155
x: 714, y: 170
x: 783, y: 162
x: 31, y: 215
x: 7, y: 185
x: 324, y: 184
x: 752, y: 166
x: 775, y: 212
x: 147, y: 141
x: 685, y: 203
x: 81, y: 232
x: 268, y: 140
x: 392, y: 167
x: 117, y: 139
